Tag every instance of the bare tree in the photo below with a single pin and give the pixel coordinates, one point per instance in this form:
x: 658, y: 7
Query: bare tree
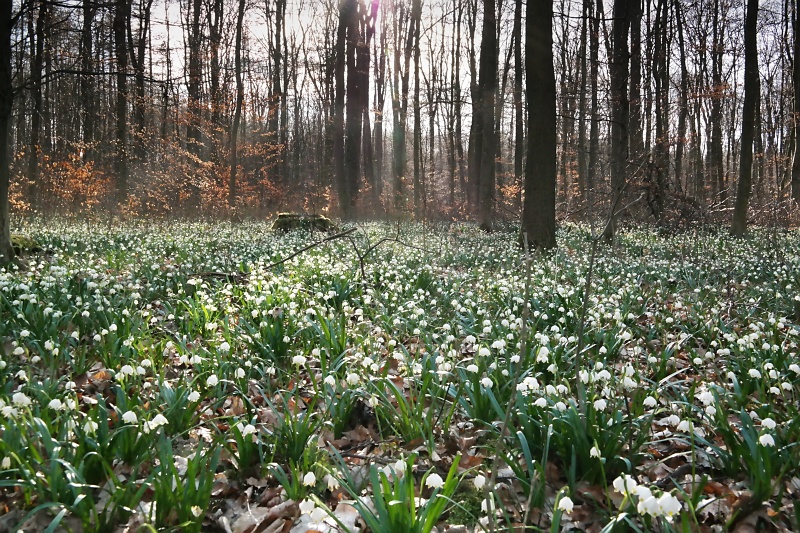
x: 751, y: 90
x: 539, y: 207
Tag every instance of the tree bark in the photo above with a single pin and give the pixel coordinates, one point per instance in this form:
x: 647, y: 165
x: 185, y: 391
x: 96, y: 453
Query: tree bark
x: 539, y: 206
x: 594, y: 126
x: 796, y: 122
x: 488, y: 90
x: 619, y: 110
x: 751, y: 89
x: 6, y: 104
x: 237, y: 113
x: 338, y: 109
x: 354, y: 110
x: 121, y: 50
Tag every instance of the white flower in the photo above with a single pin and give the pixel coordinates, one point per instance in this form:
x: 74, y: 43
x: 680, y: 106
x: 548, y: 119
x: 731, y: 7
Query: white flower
x: 331, y: 481
x: 595, y: 452
x: 766, y: 440
x: 224, y: 347
x: 561, y: 406
x: 768, y: 423
x: 249, y: 429
x: 649, y: 402
x: 669, y: 505
x: 353, y: 378
x: 56, y: 404
x: 197, y: 511
x: 307, y: 506
x: 158, y: 420
x: 565, y: 504
x: 625, y: 485
x: 309, y: 480
x: 648, y: 504
x: 127, y: 370
x: 212, y: 380
x: 472, y: 368
x: 540, y: 402
x: 542, y: 354
x: 299, y: 360
x: 129, y: 417
x: 239, y: 373
x: 193, y: 396
x: 318, y: 515
x: 487, y: 382
x: 434, y: 481
x: 754, y: 373
x: 6, y: 463
x: 90, y: 427
x: 24, y: 333
x: 20, y: 399
x: 600, y: 405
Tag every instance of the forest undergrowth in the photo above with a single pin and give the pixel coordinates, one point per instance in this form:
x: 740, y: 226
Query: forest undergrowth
x: 194, y: 376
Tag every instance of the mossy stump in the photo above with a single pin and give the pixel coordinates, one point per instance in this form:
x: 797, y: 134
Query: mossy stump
x: 22, y: 244
x: 293, y: 221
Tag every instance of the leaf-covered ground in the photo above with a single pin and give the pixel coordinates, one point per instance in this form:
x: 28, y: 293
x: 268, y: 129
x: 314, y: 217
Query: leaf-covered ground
x: 186, y: 377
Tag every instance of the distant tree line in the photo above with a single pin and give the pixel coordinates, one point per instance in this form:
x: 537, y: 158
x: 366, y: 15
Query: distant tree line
x: 457, y: 109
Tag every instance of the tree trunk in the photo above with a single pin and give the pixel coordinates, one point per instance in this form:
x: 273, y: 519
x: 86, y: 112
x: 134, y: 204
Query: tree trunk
x: 656, y: 191
x: 354, y: 110
x: 751, y: 89
x: 594, y: 126
x: 215, y: 21
x: 237, y: 113
x: 6, y: 104
x: 488, y: 84
x: 680, y: 147
x: 619, y: 111
x: 37, y: 66
x: 715, y: 148
x: 87, y: 82
x: 637, y: 148
x: 419, y: 189
x: 582, y: 164
x: 380, y: 103
x: 539, y: 207
x: 120, y: 46
x: 194, y: 40
x: 137, y: 52
x: 796, y: 121
x: 338, y: 109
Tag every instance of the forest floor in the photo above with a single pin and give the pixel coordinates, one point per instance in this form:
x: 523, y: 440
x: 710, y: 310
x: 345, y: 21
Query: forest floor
x: 189, y: 377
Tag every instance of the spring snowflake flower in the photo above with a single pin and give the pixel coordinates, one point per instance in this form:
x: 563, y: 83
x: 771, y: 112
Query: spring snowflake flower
x: 543, y: 354
x: 240, y: 373
x: 20, y: 399
x: 595, y: 452
x: 309, y: 480
x: 768, y: 423
x: 249, y: 429
x: 157, y: 421
x: 487, y: 382
x: 212, y: 380
x: 669, y: 505
x: 434, y: 481
x: 90, y: 427
x: 565, y: 504
x: 754, y: 373
x: 193, y: 396
x: 299, y: 360
x: 224, y: 347
x: 307, y: 506
x: 600, y: 405
x: 472, y: 368
x: 129, y: 417
x: 649, y: 402
x: 331, y: 481
x: 353, y: 379
x: 56, y: 404
x: 766, y: 440
x: 479, y: 481
x: 196, y: 511
x: 6, y: 463
x: 625, y: 485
